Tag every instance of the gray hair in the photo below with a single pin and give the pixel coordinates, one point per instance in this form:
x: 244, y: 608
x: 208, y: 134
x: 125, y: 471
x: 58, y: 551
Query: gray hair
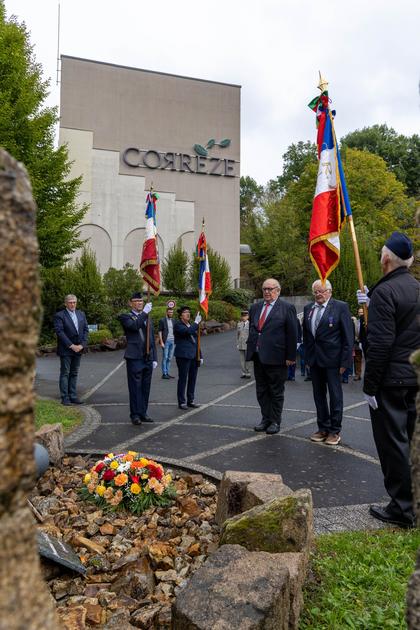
x: 396, y: 260
x: 327, y: 283
x: 70, y: 296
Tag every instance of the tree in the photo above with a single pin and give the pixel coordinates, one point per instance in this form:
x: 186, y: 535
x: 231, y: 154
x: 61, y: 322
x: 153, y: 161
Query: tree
x: 219, y: 269
x: 295, y: 160
x: 86, y: 282
x: 120, y: 284
x: 401, y: 153
x: 175, y: 270
x: 251, y: 195
x: 27, y: 132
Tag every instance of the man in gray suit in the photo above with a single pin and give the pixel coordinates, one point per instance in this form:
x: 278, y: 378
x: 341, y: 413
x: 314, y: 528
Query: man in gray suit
x: 272, y: 347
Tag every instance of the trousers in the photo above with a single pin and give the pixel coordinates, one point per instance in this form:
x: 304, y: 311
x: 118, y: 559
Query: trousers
x: 270, y: 381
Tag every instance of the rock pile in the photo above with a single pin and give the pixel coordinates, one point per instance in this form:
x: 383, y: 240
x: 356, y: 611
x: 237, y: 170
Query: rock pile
x: 136, y: 565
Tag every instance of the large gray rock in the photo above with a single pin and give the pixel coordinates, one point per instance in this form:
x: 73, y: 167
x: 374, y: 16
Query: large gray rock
x: 235, y: 590
x: 240, y: 491
x: 283, y: 524
x: 52, y: 438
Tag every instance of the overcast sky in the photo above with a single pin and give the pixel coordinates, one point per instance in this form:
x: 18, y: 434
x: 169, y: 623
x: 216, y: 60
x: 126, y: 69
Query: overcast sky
x: 368, y: 50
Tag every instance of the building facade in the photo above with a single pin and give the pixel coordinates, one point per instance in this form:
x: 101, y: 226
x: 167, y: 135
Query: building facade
x: 127, y: 130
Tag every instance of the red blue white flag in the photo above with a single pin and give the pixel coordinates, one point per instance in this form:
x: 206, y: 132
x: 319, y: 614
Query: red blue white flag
x: 149, y: 264
x: 331, y: 202
x: 204, y: 276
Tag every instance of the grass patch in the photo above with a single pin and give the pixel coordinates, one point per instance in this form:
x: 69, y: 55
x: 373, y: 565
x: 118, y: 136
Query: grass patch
x: 50, y: 412
x: 359, y: 580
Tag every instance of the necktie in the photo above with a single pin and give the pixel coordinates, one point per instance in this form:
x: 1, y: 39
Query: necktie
x: 263, y: 315
x: 318, y: 317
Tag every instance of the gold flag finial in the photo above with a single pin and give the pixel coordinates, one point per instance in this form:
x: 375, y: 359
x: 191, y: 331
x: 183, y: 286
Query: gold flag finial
x: 323, y: 83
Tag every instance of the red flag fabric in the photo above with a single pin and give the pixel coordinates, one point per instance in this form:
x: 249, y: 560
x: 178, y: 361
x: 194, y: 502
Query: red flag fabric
x: 149, y: 264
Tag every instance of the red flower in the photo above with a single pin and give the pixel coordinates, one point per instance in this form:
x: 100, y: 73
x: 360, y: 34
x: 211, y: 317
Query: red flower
x: 155, y: 471
x: 134, y: 479
x: 99, y: 467
x: 108, y: 475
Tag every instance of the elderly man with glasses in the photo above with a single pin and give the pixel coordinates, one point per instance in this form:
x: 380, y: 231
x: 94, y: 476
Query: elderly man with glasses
x: 328, y: 337
x: 272, y: 347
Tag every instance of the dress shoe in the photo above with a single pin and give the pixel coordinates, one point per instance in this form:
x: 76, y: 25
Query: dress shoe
x: 319, y: 436
x: 67, y: 403
x: 136, y: 420
x: 273, y: 428
x: 193, y: 405
x: 357, y: 378
x: 243, y: 376
x: 333, y: 439
x: 146, y: 418
x: 388, y: 516
x: 263, y: 426
x: 76, y: 401
x: 165, y: 376
x: 183, y: 407
x: 170, y: 376
x: 308, y: 378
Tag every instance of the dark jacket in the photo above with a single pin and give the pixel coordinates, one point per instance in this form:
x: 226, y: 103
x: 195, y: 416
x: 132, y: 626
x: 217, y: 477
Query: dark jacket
x: 67, y: 334
x: 332, y: 346
x: 185, y: 340
x: 163, y: 328
x: 135, y: 330
x: 393, y: 331
x: 278, y: 338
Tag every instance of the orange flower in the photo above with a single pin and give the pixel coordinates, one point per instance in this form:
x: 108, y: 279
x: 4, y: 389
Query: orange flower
x: 121, y: 479
x: 118, y: 496
x: 128, y: 457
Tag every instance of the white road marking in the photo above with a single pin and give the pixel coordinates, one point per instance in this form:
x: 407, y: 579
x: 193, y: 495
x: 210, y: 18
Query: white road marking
x: 91, y: 391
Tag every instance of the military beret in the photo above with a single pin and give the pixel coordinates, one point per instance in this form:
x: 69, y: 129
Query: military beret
x: 137, y: 296
x: 400, y: 245
x: 181, y: 309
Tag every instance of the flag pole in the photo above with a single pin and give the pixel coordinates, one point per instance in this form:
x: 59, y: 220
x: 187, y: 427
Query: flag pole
x: 148, y: 300
x: 199, y: 327
x: 323, y: 84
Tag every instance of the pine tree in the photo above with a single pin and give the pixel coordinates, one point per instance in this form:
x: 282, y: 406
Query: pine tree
x: 174, y: 270
x: 27, y: 133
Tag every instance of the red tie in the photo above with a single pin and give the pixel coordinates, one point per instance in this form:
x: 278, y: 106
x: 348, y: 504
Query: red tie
x: 263, y: 315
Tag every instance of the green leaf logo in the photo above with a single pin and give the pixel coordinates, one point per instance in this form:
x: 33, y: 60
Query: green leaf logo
x: 200, y: 150
x: 224, y: 143
x: 211, y: 143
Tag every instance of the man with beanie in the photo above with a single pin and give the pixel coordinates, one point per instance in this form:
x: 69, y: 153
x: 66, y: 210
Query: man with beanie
x: 390, y: 384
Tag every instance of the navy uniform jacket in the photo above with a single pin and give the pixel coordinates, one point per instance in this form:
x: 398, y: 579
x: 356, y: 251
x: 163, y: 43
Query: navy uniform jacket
x: 135, y: 330
x: 278, y: 338
x: 332, y: 346
x: 185, y: 340
x: 67, y: 334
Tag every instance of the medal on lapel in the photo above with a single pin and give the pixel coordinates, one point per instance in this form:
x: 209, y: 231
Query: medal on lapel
x: 330, y: 322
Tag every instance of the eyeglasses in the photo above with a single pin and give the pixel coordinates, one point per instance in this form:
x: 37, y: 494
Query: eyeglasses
x: 315, y: 291
x: 270, y: 288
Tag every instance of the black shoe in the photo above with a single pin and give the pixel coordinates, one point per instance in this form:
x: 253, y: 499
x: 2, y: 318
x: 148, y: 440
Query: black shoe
x: 165, y: 376
x: 273, y: 428
x: 136, y: 420
x: 76, y: 401
x: 243, y: 376
x: 387, y: 516
x: 67, y: 403
x: 183, y: 407
x: 247, y: 375
x: 264, y: 424
x: 169, y: 376
x: 193, y: 405
x: 308, y: 378
x: 146, y: 418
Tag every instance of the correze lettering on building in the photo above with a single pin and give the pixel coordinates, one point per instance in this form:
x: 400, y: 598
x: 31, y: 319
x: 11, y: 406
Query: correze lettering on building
x: 181, y: 162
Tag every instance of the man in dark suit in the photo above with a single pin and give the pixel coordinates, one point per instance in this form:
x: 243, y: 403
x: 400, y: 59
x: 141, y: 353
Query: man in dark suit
x: 272, y: 347
x: 71, y: 328
x: 328, y: 337
x: 140, y: 365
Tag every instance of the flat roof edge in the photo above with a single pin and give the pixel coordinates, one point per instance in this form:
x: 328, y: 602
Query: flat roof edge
x: 166, y: 74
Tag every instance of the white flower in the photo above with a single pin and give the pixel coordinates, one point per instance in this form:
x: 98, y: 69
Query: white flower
x: 124, y: 466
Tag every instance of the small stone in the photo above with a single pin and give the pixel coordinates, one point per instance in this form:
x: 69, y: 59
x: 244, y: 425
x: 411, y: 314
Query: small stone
x: 81, y: 541
x: 73, y: 618
x: 166, y: 576
x: 107, y: 529
x: 208, y: 490
x: 93, y: 613
x: 144, y: 617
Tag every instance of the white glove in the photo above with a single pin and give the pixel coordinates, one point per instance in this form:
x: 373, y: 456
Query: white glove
x: 362, y: 297
x: 298, y: 346
x: 201, y: 361
x: 147, y: 308
x: 154, y: 365
x: 198, y: 318
x: 371, y: 400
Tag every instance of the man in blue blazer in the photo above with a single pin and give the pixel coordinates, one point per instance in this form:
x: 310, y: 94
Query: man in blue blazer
x: 272, y: 343
x: 71, y: 328
x: 140, y: 365
x: 328, y: 335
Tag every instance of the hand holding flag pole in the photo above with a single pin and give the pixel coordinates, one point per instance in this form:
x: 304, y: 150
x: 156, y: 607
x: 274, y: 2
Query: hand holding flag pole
x: 331, y: 205
x: 204, y: 281
x: 149, y: 264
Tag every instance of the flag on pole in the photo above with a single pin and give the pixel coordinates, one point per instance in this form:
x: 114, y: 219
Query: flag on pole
x: 204, y: 276
x: 331, y: 202
x: 149, y: 264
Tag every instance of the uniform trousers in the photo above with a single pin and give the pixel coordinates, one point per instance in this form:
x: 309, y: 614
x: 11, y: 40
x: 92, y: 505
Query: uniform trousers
x: 393, y: 426
x: 187, y: 376
x: 139, y: 379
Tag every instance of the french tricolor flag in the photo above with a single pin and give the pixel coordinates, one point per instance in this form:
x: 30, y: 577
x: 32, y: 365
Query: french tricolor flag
x: 149, y: 264
x: 204, y: 276
x: 331, y: 202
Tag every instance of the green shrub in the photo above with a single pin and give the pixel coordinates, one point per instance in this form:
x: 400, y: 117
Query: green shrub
x: 99, y: 335
x: 89, y: 288
x: 119, y: 285
x: 174, y: 270
x: 223, y: 311
x: 241, y: 298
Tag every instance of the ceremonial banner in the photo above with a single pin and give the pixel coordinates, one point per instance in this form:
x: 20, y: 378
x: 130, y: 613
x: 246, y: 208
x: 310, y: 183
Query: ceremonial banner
x: 204, y: 276
x: 149, y: 264
x: 331, y: 203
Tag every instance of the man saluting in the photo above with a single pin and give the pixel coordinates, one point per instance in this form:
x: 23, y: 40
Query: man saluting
x: 140, y: 363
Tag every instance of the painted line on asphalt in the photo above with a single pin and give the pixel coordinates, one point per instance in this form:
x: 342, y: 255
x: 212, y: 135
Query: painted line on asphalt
x: 339, y: 449
x: 225, y: 447
x: 91, y: 391
x: 120, y: 447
